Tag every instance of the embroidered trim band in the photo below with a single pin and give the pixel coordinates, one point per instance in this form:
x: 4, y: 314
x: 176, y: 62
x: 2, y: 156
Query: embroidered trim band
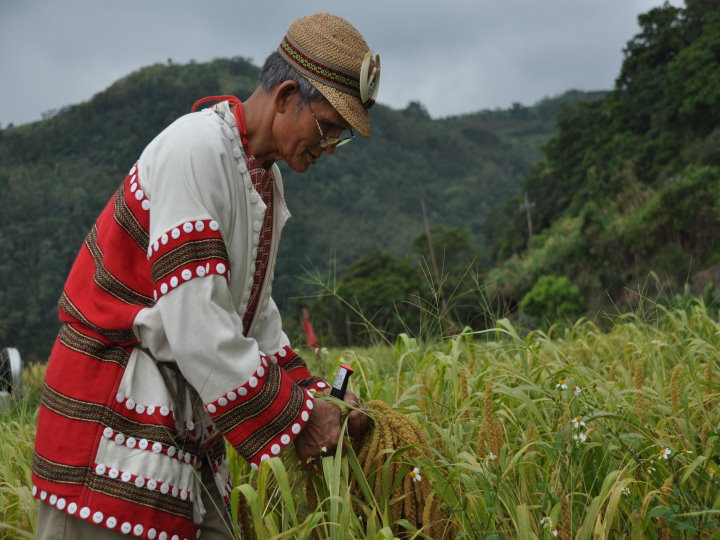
x: 251, y: 418
x: 324, y: 72
x: 71, y: 336
x: 118, y: 336
x: 193, y: 249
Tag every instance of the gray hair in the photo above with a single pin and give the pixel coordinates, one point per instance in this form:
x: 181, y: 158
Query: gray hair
x: 276, y: 71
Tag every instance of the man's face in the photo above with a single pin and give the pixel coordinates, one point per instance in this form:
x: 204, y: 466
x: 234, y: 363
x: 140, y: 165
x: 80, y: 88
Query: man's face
x: 297, y: 135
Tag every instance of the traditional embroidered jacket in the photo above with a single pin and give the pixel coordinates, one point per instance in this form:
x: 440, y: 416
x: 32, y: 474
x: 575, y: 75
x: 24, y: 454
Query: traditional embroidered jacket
x: 171, y: 342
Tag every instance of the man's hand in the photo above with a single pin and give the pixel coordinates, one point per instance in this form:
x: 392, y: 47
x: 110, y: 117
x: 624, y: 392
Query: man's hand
x: 357, y: 419
x: 320, y: 435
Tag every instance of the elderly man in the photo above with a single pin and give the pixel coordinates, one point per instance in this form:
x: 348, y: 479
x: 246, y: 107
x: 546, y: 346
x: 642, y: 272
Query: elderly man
x: 171, y: 343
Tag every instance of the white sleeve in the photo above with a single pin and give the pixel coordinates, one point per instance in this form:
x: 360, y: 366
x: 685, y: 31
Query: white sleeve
x: 188, y: 173
x: 272, y: 338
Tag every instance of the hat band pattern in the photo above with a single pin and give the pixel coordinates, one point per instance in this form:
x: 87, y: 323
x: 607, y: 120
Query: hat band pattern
x: 323, y: 72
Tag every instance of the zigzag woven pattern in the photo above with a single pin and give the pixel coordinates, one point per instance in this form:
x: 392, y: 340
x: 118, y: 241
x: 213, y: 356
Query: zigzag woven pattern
x: 324, y: 72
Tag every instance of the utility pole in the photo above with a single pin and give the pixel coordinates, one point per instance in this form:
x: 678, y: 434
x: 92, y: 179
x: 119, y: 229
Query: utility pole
x: 528, y: 206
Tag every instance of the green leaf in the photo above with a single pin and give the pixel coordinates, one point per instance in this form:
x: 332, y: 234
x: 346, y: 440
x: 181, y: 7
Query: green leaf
x: 659, y: 511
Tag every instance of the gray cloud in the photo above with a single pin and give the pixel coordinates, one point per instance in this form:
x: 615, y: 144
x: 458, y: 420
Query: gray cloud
x: 455, y: 56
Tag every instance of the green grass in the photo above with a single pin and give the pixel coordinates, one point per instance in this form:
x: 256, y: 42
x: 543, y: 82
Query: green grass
x: 17, y: 429
x: 633, y: 399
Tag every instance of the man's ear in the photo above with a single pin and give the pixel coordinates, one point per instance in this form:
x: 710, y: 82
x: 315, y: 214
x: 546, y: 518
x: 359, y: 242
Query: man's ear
x: 285, y: 95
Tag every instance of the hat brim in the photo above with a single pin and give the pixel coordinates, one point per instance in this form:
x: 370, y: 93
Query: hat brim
x: 349, y: 107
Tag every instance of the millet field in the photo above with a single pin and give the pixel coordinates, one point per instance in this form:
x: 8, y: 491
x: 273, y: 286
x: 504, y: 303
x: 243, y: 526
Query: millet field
x: 576, y: 432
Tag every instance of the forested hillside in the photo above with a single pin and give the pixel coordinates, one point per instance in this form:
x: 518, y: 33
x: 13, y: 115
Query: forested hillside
x: 57, y: 174
x: 626, y: 199
x: 622, y: 194
x: 622, y: 210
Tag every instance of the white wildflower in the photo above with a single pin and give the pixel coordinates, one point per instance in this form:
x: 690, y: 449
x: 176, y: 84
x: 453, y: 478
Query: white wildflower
x: 415, y: 474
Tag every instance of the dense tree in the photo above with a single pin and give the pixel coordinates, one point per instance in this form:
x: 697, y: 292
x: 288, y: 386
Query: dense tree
x: 627, y: 186
x: 552, y: 299
x: 375, y: 298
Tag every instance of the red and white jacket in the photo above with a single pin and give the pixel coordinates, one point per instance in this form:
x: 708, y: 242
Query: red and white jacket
x: 154, y: 368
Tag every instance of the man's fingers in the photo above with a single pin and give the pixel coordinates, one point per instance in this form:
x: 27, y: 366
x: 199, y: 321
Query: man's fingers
x: 320, y: 435
x: 351, y: 399
x: 357, y: 423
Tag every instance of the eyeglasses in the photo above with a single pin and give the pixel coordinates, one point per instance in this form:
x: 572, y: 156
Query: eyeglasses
x: 325, y: 142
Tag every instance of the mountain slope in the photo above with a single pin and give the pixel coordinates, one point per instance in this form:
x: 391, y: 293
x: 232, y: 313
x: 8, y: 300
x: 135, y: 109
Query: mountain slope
x: 628, y: 187
x: 56, y: 175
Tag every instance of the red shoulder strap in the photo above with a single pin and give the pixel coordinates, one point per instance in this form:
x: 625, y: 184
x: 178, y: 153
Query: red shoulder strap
x: 237, y: 109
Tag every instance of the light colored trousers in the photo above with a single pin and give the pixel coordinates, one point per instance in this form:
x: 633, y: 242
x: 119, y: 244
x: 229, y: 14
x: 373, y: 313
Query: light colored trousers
x: 53, y: 524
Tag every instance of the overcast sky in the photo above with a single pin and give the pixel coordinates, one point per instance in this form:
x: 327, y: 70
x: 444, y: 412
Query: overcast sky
x: 454, y: 56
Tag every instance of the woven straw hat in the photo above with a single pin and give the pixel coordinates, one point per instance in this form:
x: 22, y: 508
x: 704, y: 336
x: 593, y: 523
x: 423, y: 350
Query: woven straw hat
x: 333, y: 56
